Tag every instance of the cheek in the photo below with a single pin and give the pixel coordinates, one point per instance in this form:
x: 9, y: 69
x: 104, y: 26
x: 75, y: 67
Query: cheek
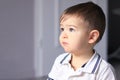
x: 80, y: 40
x: 60, y: 39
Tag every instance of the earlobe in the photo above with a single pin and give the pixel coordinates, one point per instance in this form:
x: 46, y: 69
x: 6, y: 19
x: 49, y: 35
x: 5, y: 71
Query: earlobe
x: 93, y: 36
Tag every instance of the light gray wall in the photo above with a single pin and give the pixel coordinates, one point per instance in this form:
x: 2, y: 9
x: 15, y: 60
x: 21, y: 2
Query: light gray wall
x: 16, y: 39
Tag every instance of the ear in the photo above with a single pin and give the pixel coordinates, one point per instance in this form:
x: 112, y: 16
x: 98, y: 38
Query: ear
x: 93, y: 36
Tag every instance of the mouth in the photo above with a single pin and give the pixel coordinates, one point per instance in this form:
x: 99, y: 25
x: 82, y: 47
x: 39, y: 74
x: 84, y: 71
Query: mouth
x: 64, y: 43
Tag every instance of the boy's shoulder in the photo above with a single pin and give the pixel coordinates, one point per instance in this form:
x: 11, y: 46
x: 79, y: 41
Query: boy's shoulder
x: 106, y: 68
x: 105, y: 65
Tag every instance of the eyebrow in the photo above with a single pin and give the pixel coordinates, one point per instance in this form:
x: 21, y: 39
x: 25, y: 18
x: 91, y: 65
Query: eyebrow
x: 73, y: 26
x: 68, y: 25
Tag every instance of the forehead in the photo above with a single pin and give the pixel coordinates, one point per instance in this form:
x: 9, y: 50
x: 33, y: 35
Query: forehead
x: 72, y: 20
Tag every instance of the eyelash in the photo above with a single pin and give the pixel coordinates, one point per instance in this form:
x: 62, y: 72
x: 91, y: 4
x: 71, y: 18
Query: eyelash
x: 71, y: 29
x: 62, y: 29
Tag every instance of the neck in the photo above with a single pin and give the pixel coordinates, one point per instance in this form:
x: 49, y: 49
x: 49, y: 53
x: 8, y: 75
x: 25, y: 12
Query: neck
x: 80, y: 58
x: 83, y: 54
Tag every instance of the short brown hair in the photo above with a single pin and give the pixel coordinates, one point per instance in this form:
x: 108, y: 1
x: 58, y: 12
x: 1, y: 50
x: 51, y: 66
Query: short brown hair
x: 91, y: 13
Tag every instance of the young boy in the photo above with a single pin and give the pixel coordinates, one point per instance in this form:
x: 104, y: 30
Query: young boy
x: 82, y: 26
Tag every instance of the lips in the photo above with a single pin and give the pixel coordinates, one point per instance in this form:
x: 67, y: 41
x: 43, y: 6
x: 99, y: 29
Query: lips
x: 64, y: 43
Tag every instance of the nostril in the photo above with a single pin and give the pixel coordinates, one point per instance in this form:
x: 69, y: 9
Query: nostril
x: 65, y: 36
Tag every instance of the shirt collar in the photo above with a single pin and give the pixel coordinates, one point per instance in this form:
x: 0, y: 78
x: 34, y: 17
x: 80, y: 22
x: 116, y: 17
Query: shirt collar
x: 90, y: 67
x: 66, y: 59
x: 93, y: 64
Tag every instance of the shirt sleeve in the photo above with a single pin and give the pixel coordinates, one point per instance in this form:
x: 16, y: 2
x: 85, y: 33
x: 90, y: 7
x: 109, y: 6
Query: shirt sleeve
x: 108, y: 73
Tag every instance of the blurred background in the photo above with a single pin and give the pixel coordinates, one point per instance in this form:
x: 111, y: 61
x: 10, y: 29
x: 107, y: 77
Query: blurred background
x: 29, y: 31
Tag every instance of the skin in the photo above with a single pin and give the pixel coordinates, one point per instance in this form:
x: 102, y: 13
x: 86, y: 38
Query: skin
x: 77, y: 39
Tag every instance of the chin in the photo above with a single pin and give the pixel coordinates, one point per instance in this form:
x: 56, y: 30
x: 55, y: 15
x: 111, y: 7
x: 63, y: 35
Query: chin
x: 68, y: 51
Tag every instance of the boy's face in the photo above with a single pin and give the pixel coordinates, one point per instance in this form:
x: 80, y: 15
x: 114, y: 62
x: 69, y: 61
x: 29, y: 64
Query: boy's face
x: 74, y: 34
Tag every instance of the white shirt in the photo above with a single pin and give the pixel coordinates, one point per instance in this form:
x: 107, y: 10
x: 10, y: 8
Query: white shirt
x: 95, y: 69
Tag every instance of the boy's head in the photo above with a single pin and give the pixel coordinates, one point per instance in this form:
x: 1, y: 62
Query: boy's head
x: 91, y: 13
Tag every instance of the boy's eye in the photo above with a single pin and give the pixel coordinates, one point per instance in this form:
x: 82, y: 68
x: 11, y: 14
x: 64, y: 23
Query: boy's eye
x: 71, y: 29
x: 62, y: 29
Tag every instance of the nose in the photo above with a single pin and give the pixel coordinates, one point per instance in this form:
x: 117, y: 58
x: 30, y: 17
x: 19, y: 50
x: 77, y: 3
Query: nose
x: 64, y: 35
